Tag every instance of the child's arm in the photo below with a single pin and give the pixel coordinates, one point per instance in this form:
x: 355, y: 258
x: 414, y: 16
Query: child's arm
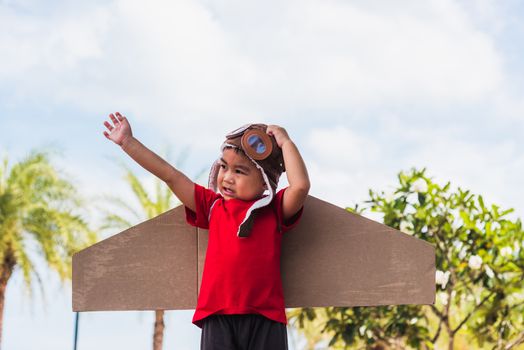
x: 296, y: 172
x: 122, y: 135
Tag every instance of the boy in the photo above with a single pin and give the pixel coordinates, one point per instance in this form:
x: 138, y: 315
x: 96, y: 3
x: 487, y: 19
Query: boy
x: 240, y: 302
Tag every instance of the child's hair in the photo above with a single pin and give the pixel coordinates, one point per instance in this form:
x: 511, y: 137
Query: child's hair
x: 237, y: 150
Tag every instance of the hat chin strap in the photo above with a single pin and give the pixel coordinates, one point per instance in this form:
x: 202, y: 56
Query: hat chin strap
x: 213, y: 176
x: 244, y: 228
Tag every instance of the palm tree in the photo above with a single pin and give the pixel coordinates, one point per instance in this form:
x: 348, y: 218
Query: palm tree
x: 163, y: 200
x: 39, y: 206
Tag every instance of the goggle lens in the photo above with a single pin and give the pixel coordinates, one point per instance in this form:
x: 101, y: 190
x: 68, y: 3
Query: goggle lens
x: 256, y: 144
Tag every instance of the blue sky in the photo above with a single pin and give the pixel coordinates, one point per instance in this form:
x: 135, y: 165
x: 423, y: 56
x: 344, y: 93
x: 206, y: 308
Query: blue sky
x: 365, y: 88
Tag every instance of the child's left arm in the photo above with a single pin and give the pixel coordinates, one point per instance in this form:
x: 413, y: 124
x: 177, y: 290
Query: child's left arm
x: 296, y: 172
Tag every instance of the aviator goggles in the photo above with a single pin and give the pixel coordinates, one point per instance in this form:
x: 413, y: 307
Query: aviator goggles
x: 255, y: 142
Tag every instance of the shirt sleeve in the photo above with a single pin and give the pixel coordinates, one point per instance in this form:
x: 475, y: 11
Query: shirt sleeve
x: 292, y: 221
x: 204, y: 199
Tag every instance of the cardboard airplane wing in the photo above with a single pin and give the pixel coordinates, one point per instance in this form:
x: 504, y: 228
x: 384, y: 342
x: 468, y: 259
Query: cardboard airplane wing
x: 331, y: 258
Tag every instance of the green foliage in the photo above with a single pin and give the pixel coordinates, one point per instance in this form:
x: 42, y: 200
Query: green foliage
x: 38, y: 205
x: 480, y: 264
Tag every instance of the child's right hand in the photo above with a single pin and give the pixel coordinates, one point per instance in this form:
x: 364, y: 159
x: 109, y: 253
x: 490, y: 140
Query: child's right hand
x: 120, y: 130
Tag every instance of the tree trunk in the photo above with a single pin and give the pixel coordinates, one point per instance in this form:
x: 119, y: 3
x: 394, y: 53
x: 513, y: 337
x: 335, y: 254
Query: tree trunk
x: 158, y: 336
x: 6, y: 269
x: 3, y: 285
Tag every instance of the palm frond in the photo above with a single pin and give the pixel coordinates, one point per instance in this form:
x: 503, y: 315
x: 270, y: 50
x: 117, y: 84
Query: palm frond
x: 120, y: 203
x: 113, y: 221
x: 139, y: 191
x: 23, y: 261
x: 3, y: 177
x: 37, y: 205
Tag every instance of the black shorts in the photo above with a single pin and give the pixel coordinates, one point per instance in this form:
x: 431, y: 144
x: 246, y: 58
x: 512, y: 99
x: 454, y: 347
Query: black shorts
x: 242, y: 332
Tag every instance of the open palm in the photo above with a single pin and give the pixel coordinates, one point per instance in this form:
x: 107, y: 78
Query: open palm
x: 119, y: 130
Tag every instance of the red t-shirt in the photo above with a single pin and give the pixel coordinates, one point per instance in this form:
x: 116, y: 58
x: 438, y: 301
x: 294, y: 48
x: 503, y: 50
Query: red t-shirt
x: 241, y: 274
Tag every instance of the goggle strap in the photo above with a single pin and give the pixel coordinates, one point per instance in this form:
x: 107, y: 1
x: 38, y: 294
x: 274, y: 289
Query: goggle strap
x: 238, y: 132
x: 262, y: 202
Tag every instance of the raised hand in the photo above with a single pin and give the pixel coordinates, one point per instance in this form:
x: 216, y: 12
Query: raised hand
x: 119, y: 130
x: 279, y: 133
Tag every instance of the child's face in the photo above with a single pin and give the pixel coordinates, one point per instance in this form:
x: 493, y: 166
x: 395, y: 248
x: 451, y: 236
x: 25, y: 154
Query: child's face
x: 238, y: 177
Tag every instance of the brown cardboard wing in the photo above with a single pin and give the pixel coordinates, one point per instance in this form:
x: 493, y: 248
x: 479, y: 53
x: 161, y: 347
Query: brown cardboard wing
x: 332, y: 258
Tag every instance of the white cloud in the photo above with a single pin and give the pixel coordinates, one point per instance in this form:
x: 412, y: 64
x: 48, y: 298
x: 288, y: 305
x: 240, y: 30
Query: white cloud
x: 218, y: 65
x: 180, y: 63
x: 340, y: 52
x: 343, y: 165
x: 485, y: 169
x: 342, y: 146
x: 47, y: 45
